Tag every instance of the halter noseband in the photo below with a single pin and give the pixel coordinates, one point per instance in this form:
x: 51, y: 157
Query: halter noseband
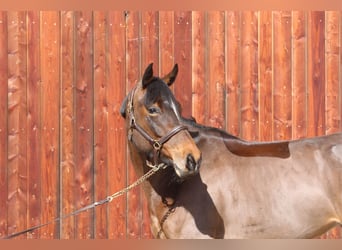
x: 156, y: 144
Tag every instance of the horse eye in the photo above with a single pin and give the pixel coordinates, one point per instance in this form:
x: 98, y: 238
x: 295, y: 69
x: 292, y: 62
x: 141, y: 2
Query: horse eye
x: 153, y: 110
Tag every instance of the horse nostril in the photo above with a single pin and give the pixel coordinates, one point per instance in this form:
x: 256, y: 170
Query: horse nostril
x: 191, y: 164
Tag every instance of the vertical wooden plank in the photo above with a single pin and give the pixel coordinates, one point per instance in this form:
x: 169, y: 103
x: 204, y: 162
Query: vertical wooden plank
x: 199, y: 79
x: 67, y: 124
x: 299, y: 70
x: 265, y: 76
x: 216, y: 67
x: 332, y: 53
x: 166, y: 41
x: 33, y: 122
x: 233, y: 61
x: 49, y: 47
x: 84, y: 171
x: 133, y: 67
x: 116, y: 142
x: 149, y: 53
x: 100, y: 122
x: 182, y: 47
x: 17, y: 105
x: 316, y: 73
x: 282, y: 88
x: 150, y: 40
x: 3, y: 123
x: 249, y: 76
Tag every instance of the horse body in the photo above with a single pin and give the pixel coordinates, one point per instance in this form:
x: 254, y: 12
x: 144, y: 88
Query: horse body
x: 267, y: 196
x: 288, y: 189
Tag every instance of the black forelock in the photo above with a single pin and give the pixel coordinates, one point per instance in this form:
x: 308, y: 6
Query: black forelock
x: 157, y: 91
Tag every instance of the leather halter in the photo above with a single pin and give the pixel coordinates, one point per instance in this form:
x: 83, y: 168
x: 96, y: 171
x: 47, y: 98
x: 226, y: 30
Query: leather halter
x: 156, y: 144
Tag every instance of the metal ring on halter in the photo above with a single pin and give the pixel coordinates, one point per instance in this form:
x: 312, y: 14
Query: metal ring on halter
x: 156, y: 145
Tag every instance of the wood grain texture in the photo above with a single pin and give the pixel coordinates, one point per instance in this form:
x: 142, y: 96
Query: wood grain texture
x: 199, y: 74
x: 100, y: 122
x: 333, y: 81
x: 282, y: 76
x: 150, y: 53
x: 50, y: 89
x: 249, y: 76
x: 299, y: 74
x: 17, y: 131
x: 316, y: 73
x: 3, y: 124
x: 183, y: 56
x: 116, y: 139
x: 266, y: 76
x: 33, y: 121
x: 166, y: 39
x: 233, y: 69
x: 68, y: 134
x: 134, y: 71
x: 84, y: 170
x: 216, y: 74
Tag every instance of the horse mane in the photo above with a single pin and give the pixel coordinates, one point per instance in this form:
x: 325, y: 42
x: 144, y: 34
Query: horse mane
x: 212, y: 130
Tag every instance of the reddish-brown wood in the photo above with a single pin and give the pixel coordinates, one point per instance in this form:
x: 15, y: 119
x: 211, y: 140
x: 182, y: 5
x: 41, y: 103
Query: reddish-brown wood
x: 17, y: 131
x: 149, y: 53
x: 116, y: 139
x: 299, y: 70
x: 100, y: 122
x: 332, y: 53
x: 134, y: 203
x: 233, y: 69
x: 183, y: 56
x: 199, y: 77
x: 316, y: 73
x: 50, y: 98
x: 265, y: 76
x: 3, y: 124
x: 249, y: 76
x: 68, y: 137
x: 166, y: 41
x: 84, y: 170
x: 216, y: 66
x: 33, y: 122
x: 282, y: 88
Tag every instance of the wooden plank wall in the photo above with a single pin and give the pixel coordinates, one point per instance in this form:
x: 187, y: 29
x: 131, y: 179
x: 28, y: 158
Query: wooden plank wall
x: 262, y: 76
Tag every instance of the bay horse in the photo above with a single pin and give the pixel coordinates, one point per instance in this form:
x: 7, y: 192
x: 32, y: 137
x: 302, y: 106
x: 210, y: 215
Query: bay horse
x: 215, y: 185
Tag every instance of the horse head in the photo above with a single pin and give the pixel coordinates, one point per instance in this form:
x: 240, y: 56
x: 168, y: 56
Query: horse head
x: 153, y: 125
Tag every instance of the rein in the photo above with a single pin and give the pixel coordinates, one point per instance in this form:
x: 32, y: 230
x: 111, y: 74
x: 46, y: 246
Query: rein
x: 108, y: 199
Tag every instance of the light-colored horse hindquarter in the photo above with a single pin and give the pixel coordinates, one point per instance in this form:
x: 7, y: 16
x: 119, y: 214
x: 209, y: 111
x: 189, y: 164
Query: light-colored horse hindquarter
x: 270, y: 197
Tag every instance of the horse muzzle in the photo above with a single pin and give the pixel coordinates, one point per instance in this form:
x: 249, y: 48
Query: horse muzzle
x: 190, y: 168
x: 191, y: 164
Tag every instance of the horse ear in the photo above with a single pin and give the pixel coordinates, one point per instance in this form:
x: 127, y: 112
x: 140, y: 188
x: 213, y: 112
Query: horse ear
x: 148, y: 75
x: 171, y: 77
x: 124, y: 107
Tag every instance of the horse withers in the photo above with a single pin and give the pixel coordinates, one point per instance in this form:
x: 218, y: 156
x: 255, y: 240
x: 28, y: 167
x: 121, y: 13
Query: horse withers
x: 216, y: 185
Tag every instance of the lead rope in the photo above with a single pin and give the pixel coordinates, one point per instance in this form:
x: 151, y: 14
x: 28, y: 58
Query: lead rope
x: 108, y: 199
